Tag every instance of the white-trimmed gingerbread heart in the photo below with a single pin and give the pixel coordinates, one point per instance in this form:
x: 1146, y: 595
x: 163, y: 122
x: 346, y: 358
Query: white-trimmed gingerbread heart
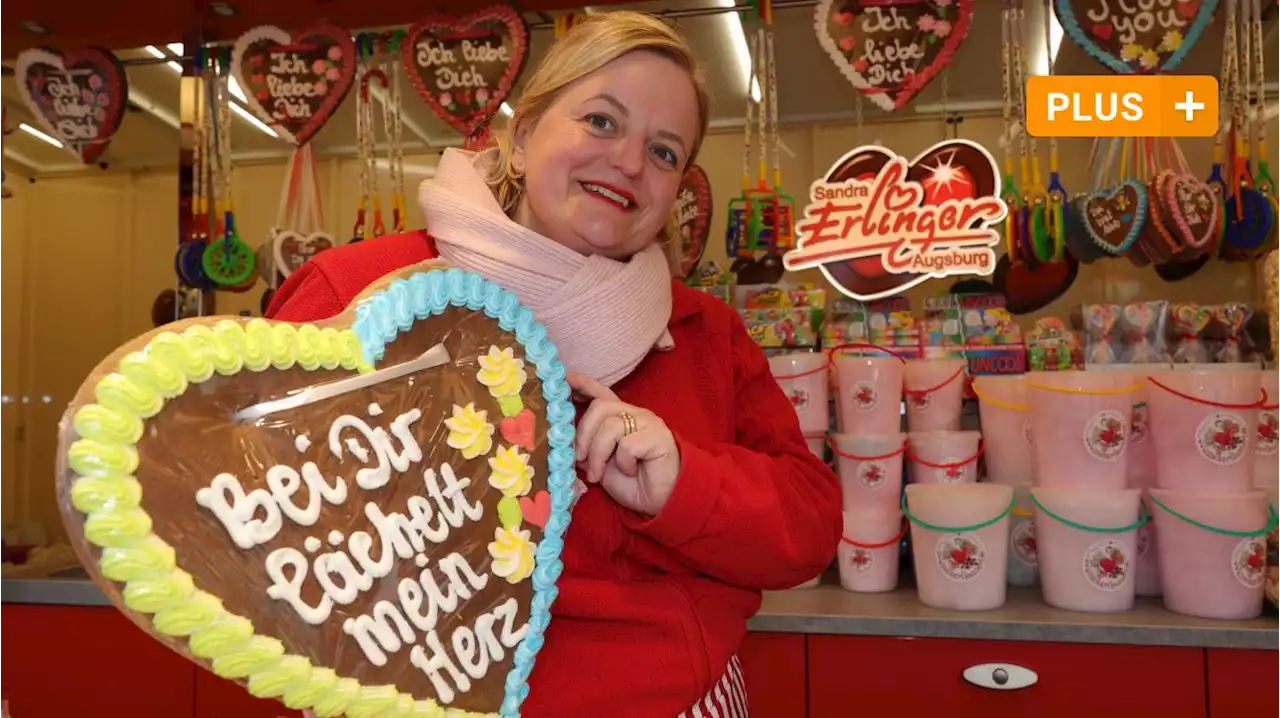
x: 326, y: 513
x: 290, y: 250
x: 78, y: 96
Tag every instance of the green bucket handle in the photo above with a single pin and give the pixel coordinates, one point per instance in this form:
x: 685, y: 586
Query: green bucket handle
x: 1271, y: 522
x: 1144, y: 515
x: 956, y: 529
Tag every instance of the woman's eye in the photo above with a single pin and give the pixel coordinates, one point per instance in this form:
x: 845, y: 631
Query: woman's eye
x: 600, y: 122
x: 666, y: 155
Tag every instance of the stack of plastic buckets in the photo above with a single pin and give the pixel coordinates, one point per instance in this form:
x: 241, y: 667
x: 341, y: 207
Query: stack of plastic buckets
x: 1211, y: 521
x: 1006, y: 438
x: 1142, y: 476
x: 803, y: 378
x: 1087, y: 519
x: 869, y: 449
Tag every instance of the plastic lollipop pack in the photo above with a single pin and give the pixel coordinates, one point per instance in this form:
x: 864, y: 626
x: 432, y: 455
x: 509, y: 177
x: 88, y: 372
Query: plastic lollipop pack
x: 1100, y: 339
x: 1228, y: 322
x: 1143, y: 332
x: 1187, y: 322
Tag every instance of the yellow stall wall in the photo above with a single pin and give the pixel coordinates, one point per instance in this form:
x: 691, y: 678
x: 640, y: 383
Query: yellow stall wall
x: 84, y: 257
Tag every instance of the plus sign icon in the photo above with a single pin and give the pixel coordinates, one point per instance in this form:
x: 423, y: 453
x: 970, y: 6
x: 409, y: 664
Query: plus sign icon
x: 1122, y: 106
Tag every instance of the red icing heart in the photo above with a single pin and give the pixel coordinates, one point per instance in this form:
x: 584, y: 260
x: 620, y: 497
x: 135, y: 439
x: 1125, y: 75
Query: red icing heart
x: 78, y: 96
x: 295, y: 82
x: 693, y: 214
x: 518, y: 429
x: 537, y: 509
x: 1189, y: 9
x: 1103, y: 30
x: 907, y: 43
x: 465, y: 67
x: 867, y: 276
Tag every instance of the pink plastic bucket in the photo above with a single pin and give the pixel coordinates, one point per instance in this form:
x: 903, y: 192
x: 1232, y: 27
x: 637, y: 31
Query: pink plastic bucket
x: 1204, y: 425
x: 944, y: 457
x: 1266, y: 466
x: 960, y: 543
x: 870, y: 469
x: 1088, y: 547
x: 934, y: 390
x: 1080, y: 428
x: 1142, y: 449
x: 803, y: 378
x: 869, y: 550
x: 817, y: 444
x: 1024, y: 548
x: 1213, y: 551
x: 868, y: 390
x: 1006, y: 429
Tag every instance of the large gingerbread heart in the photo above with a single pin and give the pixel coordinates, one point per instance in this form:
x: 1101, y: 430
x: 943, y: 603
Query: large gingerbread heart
x: 294, y: 82
x: 78, y: 97
x: 969, y: 172
x: 329, y: 513
x: 1135, y: 37
x: 464, y: 67
x: 1193, y: 211
x: 1114, y: 218
x: 693, y: 217
x: 891, y: 50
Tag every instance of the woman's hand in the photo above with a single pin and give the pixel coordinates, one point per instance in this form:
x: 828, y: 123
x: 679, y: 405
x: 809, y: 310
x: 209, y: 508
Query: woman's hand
x: 638, y: 468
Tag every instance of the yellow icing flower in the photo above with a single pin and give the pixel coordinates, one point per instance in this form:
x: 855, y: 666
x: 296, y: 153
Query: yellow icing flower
x: 1130, y: 52
x: 1149, y: 59
x: 1171, y: 41
x: 511, y: 473
x: 512, y: 553
x: 469, y: 431
x: 502, y: 372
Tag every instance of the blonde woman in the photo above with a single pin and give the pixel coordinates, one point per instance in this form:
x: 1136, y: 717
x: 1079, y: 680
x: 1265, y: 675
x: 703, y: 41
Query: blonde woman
x: 701, y: 491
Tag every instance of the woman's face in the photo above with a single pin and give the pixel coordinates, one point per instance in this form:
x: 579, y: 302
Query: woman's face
x: 603, y: 165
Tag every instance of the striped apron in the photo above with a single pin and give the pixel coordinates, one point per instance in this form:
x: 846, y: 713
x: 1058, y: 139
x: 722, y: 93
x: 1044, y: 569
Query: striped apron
x: 726, y: 699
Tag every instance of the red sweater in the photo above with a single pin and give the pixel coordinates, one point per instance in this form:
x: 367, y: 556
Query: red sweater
x: 651, y: 609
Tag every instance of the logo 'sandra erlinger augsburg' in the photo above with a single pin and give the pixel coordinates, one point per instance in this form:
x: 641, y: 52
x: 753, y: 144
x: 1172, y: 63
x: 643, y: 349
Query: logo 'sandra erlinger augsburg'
x: 879, y: 223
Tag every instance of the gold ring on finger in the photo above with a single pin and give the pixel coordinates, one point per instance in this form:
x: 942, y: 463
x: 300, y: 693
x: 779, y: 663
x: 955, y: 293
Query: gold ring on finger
x: 628, y: 423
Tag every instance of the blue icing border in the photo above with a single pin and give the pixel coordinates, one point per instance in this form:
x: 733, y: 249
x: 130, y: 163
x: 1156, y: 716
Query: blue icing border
x: 384, y: 315
x: 1135, y: 230
x: 1071, y: 26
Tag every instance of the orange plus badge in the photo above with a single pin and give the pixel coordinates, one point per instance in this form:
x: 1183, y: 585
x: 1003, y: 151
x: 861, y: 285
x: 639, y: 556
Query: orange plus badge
x: 1122, y: 106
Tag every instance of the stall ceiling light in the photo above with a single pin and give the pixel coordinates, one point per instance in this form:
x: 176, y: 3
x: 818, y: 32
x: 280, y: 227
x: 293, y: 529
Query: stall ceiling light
x: 177, y: 48
x: 39, y: 135
x: 506, y: 110
x: 733, y: 25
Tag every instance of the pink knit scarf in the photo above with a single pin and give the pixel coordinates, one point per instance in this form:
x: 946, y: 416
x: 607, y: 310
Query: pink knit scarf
x: 603, y: 315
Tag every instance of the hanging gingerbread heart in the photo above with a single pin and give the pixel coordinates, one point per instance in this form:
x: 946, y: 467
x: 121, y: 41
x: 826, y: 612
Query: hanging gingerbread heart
x: 465, y: 67
x: 1135, y: 37
x: 693, y: 217
x: 294, y: 82
x: 334, y: 514
x: 1114, y: 218
x: 891, y: 50
x: 290, y: 250
x: 77, y: 97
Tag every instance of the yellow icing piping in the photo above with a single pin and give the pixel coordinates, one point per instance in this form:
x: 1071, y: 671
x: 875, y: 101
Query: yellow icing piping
x: 104, y: 459
x: 505, y: 376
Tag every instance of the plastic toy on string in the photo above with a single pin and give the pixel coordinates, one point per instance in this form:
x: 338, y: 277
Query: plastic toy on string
x: 379, y: 78
x: 762, y: 218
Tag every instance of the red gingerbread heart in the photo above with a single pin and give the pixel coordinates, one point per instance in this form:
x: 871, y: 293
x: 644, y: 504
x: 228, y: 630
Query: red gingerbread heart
x: 537, y: 509
x: 693, y: 214
x: 465, y: 67
x: 78, y: 97
x: 294, y: 82
x: 518, y: 429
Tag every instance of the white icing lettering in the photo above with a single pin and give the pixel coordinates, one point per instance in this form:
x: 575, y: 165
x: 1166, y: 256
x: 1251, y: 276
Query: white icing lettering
x: 302, y: 443
x: 312, y: 544
x: 289, y: 589
x: 335, y: 537
x: 338, y: 563
x: 225, y: 497
x: 376, y: 636
x: 379, y: 442
x: 284, y: 482
x: 374, y: 409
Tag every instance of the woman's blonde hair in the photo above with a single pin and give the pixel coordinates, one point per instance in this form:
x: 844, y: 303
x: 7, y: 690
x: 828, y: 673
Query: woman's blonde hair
x: 589, y: 45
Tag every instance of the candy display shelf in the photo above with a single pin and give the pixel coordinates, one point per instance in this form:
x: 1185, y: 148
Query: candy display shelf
x: 813, y: 652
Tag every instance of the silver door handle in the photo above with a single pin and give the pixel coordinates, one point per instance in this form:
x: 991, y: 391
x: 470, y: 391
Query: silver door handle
x: 1000, y: 676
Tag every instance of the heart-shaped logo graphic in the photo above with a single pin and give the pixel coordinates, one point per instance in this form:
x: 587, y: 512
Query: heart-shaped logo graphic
x: 322, y: 512
x: 78, y: 97
x: 891, y: 50
x: 693, y: 217
x: 465, y: 67
x: 295, y: 82
x: 1193, y: 208
x: 1136, y: 37
x: 876, y: 220
x: 291, y: 250
x: 1114, y: 218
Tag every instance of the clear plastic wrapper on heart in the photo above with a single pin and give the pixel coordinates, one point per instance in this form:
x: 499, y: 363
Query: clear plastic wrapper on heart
x: 358, y: 516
